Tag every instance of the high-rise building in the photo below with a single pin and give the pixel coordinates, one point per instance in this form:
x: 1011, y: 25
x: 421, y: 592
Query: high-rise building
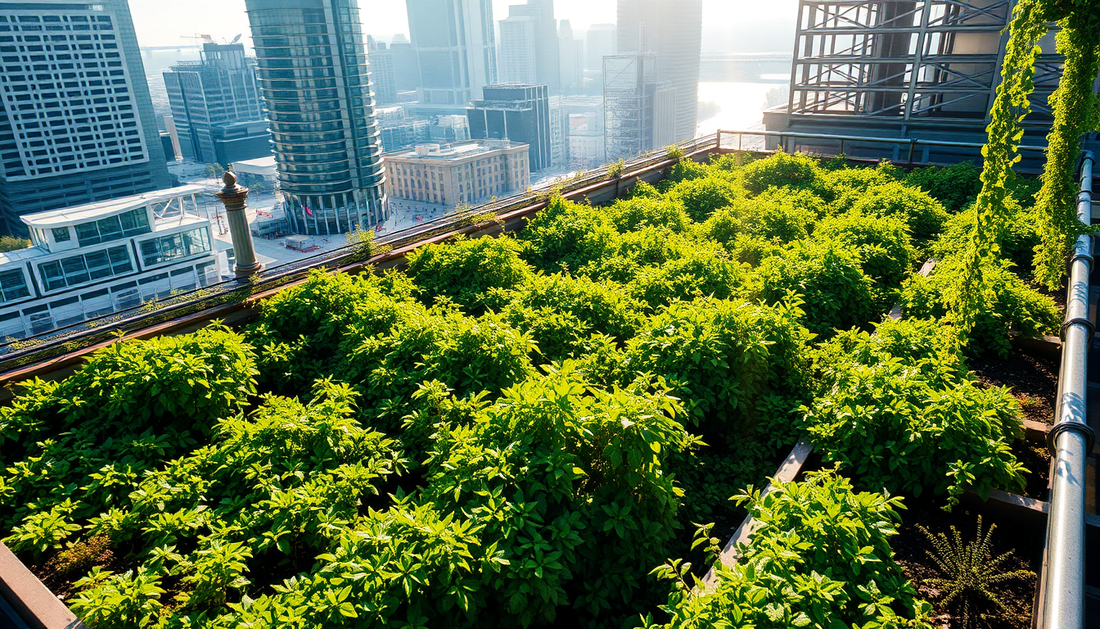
x: 455, y: 43
x: 210, y: 99
x: 559, y: 138
x: 383, y: 76
x: 584, y: 131
x: 314, y: 75
x: 673, y: 29
x: 571, y: 54
x: 639, y: 112
x: 533, y: 22
x: 520, y: 113
x: 463, y: 172
x: 76, y: 119
x: 600, y: 42
x: 518, y: 62
x: 406, y: 69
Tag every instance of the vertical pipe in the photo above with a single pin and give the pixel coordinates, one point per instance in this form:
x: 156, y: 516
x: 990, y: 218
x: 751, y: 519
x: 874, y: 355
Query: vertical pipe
x: 1064, y: 585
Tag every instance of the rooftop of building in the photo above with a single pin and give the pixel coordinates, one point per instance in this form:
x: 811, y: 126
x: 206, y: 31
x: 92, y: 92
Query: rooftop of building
x: 455, y: 151
x: 103, y: 209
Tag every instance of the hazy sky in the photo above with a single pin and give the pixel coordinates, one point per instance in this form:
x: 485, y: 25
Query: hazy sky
x: 163, y: 22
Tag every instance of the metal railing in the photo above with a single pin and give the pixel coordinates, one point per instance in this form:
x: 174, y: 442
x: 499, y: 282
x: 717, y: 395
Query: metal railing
x: 911, y: 147
x: 1071, y: 438
x: 15, y: 353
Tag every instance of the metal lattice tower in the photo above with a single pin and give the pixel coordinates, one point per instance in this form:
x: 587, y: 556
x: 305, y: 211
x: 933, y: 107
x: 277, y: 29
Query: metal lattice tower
x: 931, y: 64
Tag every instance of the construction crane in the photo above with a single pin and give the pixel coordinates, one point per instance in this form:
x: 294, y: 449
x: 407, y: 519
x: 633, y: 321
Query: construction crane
x: 199, y: 37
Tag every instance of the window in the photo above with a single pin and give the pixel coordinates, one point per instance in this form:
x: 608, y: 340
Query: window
x: 113, y: 228
x: 166, y: 248
x: 61, y: 234
x: 13, y: 285
x: 84, y: 268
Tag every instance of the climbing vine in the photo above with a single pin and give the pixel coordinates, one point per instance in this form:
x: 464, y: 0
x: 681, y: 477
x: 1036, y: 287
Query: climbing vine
x: 1075, y: 111
x: 1010, y: 106
x: 1074, y: 114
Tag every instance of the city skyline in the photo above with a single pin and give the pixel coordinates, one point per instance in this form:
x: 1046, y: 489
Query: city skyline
x: 160, y: 23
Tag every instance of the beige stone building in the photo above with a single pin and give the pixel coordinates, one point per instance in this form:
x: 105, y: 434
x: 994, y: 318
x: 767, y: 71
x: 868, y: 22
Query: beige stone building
x: 460, y: 173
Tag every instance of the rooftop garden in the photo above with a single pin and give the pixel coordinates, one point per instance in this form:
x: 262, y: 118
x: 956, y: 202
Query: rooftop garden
x: 520, y: 431
x: 546, y: 428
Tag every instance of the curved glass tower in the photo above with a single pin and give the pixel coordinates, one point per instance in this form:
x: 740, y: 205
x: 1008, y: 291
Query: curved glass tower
x: 315, y: 80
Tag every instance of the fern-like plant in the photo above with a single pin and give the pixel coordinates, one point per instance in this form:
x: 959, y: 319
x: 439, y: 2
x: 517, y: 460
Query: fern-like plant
x: 972, y: 573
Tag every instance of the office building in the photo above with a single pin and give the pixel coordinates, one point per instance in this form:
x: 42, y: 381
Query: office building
x: 216, y: 106
x: 77, y: 123
x: 449, y: 129
x: 518, y: 62
x: 672, y: 29
x: 520, y: 113
x: 639, y: 112
x: 599, y: 42
x: 399, y: 136
x: 462, y: 173
x: 406, y: 68
x: 321, y: 112
x: 383, y: 76
x: 455, y: 43
x: 559, y: 138
x: 105, y: 257
x: 584, y: 131
x: 571, y: 55
x: 531, y: 48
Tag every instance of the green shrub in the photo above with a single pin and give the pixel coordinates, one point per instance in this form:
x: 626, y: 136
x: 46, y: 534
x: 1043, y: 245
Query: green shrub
x: 727, y: 360
x: 639, y: 212
x: 775, y: 219
x: 702, y: 197
x: 702, y: 271
x: 916, y: 427
x: 927, y: 342
x: 885, y: 252
x: 11, y: 243
x: 687, y: 169
x: 924, y: 215
x: 956, y: 186
x: 1018, y: 238
x: 802, y: 200
x: 465, y: 270
x: 567, y: 236
x: 836, y: 294
x: 133, y: 405
x: 468, y: 355
x: 819, y: 557
x: 782, y: 169
x: 301, y: 332
x: 601, y: 306
x: 842, y: 187
x: 1010, y: 306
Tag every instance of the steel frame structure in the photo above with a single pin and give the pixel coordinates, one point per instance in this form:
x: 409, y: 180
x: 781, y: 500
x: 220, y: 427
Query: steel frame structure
x: 912, y: 61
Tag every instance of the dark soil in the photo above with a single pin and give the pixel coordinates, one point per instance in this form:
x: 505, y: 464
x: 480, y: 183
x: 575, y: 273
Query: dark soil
x: 1024, y: 538
x: 1036, y: 458
x: 1033, y: 380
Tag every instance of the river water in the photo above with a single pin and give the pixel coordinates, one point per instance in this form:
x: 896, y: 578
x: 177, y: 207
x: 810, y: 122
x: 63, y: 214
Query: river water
x: 742, y: 104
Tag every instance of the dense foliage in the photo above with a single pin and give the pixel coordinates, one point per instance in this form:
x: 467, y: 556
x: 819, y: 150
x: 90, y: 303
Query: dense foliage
x: 820, y: 557
x: 513, y: 432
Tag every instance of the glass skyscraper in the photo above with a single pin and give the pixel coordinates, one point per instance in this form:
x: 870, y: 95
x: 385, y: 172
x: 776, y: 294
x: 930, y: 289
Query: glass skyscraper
x: 314, y: 75
x: 455, y: 42
x: 76, y: 119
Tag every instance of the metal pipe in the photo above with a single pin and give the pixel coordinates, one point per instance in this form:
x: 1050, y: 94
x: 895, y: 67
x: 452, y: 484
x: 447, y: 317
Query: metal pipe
x: 1071, y: 439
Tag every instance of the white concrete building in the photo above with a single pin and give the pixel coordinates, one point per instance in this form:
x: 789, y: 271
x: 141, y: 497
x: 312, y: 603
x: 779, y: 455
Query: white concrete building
x: 96, y: 259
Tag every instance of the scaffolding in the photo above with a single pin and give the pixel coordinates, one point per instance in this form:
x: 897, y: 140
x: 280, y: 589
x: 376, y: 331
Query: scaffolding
x: 905, y: 63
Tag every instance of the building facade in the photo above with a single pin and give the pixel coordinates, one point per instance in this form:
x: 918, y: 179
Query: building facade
x: 211, y: 95
x: 383, y: 74
x: 465, y: 173
x: 559, y: 134
x: 520, y: 113
x: 456, y: 50
x: 673, y: 29
x: 321, y: 112
x: 76, y: 118
x: 571, y: 55
x: 584, y: 132
x: 638, y: 114
x: 106, y: 257
x: 517, y: 50
x: 599, y: 42
x: 536, y: 20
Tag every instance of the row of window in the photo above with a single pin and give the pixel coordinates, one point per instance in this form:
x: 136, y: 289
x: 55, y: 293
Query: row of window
x: 111, y: 228
x: 83, y: 268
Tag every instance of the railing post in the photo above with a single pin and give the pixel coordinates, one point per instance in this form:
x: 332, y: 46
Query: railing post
x: 235, y: 199
x: 912, y: 147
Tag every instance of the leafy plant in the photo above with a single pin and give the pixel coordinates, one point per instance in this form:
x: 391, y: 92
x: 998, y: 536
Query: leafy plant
x: 465, y: 270
x: 782, y: 169
x: 819, y: 557
x: 956, y: 186
x: 971, y: 574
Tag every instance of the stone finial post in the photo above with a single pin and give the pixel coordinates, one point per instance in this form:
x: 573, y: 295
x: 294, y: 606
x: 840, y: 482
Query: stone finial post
x: 235, y: 199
